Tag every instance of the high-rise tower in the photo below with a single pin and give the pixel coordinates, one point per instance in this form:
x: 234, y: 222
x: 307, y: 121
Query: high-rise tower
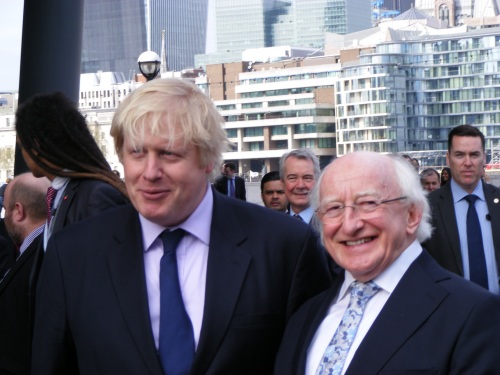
x: 114, y: 35
x: 185, y: 25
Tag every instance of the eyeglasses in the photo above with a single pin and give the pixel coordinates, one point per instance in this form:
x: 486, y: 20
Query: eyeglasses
x: 333, y: 212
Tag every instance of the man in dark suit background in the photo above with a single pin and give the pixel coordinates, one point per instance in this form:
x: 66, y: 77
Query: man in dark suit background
x: 394, y: 310
x: 240, y: 270
x: 229, y: 184
x: 25, y: 214
x: 449, y: 243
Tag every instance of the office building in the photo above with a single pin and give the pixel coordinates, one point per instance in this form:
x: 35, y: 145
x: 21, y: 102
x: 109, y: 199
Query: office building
x: 245, y: 24
x: 186, y: 30
x: 114, y: 35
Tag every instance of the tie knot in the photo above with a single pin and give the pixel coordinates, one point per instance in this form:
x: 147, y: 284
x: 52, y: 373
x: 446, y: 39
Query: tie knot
x: 364, y: 291
x: 171, y: 239
x: 471, y: 198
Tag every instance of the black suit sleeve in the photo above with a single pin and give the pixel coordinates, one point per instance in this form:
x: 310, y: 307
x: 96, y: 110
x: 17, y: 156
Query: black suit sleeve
x: 58, y: 357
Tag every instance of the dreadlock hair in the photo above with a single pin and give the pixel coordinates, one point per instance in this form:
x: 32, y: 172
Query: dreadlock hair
x: 55, y: 135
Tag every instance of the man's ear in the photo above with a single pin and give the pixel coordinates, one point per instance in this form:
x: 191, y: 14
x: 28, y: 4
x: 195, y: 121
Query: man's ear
x: 18, y: 212
x: 414, y: 218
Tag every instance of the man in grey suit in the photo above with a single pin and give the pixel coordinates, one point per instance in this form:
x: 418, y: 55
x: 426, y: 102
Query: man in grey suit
x: 449, y: 243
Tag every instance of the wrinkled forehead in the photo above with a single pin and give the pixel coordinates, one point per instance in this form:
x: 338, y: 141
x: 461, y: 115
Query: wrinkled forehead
x: 352, y: 178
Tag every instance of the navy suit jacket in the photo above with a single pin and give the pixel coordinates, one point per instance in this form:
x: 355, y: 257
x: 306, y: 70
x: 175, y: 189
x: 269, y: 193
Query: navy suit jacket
x: 444, y: 245
x: 83, y: 198
x: 433, y: 323
x: 239, y: 187
x: 92, y: 311
x: 17, y: 311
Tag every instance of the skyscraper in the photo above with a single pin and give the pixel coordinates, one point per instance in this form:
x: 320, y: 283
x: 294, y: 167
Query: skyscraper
x: 245, y: 24
x: 114, y: 35
x: 185, y: 24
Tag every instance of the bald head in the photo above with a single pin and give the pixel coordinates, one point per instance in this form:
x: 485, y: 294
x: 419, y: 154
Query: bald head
x: 24, y: 204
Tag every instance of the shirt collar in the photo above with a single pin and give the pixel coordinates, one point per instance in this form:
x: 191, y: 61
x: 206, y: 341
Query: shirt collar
x: 59, y: 182
x: 306, y: 214
x: 201, y: 215
x: 392, y: 275
x: 30, y: 237
x: 459, y: 193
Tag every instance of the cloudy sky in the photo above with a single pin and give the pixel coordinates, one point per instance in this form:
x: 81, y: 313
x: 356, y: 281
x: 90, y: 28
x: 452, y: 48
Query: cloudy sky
x: 10, y: 43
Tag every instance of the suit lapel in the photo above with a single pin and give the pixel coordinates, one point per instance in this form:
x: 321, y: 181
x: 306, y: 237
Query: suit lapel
x: 414, y: 299
x: 315, y: 317
x: 446, y: 212
x: 126, y: 268
x: 18, y: 264
x: 226, y: 270
x: 64, y: 204
x: 492, y: 196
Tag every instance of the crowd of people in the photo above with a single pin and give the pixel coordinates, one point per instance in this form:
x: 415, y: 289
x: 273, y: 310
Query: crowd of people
x: 344, y: 271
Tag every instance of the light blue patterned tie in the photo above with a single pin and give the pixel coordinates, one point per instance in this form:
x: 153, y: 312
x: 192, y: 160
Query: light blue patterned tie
x: 336, y: 352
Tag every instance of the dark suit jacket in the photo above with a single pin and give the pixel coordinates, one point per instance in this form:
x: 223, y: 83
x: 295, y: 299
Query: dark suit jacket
x: 444, y: 245
x: 17, y: 311
x: 84, y: 198
x: 7, y: 250
x: 220, y: 185
x: 93, y: 304
x: 433, y: 323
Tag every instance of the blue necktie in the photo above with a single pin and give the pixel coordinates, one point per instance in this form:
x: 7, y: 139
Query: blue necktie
x: 231, y: 188
x: 477, y: 262
x: 335, y: 355
x: 176, y: 331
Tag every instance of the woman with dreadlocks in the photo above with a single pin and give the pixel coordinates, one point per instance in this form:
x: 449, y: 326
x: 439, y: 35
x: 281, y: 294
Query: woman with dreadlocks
x: 56, y: 143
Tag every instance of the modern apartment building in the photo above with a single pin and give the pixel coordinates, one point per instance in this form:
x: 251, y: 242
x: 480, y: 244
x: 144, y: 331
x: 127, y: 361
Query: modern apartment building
x: 114, y: 35
x: 275, y: 108
x: 405, y: 95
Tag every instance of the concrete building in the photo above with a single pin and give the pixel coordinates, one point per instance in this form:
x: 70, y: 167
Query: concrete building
x: 275, y: 108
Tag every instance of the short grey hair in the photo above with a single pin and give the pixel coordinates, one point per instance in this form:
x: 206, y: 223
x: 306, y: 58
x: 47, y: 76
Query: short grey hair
x: 304, y: 154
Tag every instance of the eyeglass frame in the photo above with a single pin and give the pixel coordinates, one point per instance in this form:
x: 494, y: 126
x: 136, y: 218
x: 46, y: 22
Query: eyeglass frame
x: 321, y: 213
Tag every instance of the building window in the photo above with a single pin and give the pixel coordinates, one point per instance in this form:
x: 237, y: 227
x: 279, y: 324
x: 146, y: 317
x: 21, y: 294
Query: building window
x: 253, y: 132
x: 307, y: 143
x: 279, y: 130
x: 256, y: 146
x: 305, y: 128
x: 232, y: 133
x: 326, y: 142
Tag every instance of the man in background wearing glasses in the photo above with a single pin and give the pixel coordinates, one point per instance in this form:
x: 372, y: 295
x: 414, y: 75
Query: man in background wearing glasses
x: 394, y: 309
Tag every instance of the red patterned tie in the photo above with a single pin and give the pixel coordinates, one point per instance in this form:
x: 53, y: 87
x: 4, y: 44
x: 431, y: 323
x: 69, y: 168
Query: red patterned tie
x: 51, y: 193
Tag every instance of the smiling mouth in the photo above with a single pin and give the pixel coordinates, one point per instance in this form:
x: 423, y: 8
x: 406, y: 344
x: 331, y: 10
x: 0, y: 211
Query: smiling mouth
x: 359, y: 242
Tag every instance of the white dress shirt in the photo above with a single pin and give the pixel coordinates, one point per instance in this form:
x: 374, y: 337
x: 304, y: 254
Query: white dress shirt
x: 387, y: 281
x: 192, y: 259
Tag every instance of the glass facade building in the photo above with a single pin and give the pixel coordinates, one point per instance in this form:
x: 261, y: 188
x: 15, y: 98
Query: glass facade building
x: 185, y: 25
x: 405, y: 96
x: 114, y: 35
x: 245, y: 24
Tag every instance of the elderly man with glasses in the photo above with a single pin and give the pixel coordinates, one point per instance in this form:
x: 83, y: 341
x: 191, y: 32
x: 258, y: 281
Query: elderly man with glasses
x: 393, y: 310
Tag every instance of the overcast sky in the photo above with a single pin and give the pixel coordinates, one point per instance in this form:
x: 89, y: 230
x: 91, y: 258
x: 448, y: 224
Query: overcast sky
x: 10, y: 43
